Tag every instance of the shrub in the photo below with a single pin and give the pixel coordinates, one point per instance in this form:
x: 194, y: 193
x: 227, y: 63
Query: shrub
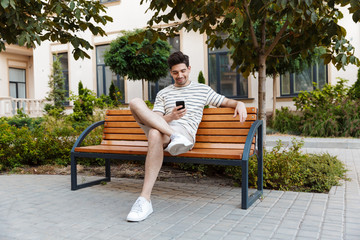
x: 330, y: 112
x: 286, y: 121
x: 290, y: 169
x: 49, y: 142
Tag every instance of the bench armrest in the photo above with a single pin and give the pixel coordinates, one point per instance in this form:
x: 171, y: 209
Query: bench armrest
x: 257, y: 126
x: 85, y: 133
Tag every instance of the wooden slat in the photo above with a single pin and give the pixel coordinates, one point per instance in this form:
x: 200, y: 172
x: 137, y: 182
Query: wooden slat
x: 204, y: 153
x: 125, y: 143
x: 124, y: 130
x: 119, y: 118
x: 229, y: 117
x: 227, y: 110
x: 223, y: 132
x: 197, y: 144
x: 122, y: 124
x: 124, y: 137
x: 221, y: 139
x: 221, y: 145
x: 220, y: 125
x: 118, y: 112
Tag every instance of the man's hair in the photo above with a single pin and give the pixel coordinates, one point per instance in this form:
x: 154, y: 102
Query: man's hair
x: 177, y: 58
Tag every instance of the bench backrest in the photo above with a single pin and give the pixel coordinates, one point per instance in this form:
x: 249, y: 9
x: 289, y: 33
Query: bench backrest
x: 218, y: 128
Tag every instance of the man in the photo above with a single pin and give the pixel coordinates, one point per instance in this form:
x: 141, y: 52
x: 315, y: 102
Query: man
x: 171, y: 129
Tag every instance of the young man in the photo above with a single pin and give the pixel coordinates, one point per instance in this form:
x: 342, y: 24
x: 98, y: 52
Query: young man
x: 171, y: 129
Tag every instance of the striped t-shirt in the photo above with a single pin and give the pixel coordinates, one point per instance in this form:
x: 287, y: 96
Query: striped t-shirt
x: 195, y: 95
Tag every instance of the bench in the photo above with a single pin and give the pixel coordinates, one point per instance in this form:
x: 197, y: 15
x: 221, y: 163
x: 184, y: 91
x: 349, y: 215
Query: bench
x: 221, y: 140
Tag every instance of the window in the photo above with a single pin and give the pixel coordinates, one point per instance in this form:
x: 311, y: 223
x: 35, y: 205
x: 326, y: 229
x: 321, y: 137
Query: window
x: 154, y: 88
x: 104, y: 76
x: 63, y: 58
x: 222, y: 78
x: 108, y: 1
x: 17, y: 81
x: 292, y: 84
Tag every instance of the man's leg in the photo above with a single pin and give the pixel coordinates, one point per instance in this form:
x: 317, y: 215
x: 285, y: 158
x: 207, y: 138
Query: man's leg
x: 145, y: 116
x: 154, y: 160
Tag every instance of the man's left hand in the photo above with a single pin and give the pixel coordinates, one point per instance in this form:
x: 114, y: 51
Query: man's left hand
x: 241, y: 110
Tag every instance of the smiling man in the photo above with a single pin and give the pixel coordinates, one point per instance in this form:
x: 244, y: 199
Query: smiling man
x: 170, y: 128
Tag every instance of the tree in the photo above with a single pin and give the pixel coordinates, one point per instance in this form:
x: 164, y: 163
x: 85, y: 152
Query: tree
x: 305, y: 24
x: 126, y: 59
x: 29, y: 22
x: 57, y: 90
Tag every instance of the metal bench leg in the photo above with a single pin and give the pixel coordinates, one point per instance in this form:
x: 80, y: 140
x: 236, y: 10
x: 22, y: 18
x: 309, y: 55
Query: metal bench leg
x: 107, y: 170
x: 75, y: 186
x: 73, y: 173
x: 244, y: 184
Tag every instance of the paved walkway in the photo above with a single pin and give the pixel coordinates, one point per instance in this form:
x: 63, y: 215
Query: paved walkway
x: 43, y: 207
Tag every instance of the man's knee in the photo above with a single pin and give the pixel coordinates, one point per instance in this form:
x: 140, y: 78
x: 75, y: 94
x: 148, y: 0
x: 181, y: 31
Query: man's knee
x: 154, y: 135
x: 135, y: 102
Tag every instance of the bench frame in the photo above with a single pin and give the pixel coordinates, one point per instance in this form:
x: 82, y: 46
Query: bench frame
x: 256, y: 131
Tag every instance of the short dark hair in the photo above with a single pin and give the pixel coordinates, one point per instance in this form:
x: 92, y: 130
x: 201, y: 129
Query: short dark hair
x: 177, y: 58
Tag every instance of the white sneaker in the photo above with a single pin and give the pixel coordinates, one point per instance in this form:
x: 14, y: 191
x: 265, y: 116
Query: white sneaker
x: 178, y: 144
x: 141, y: 209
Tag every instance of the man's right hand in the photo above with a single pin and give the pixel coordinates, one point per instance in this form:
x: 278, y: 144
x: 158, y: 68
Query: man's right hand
x: 177, y: 114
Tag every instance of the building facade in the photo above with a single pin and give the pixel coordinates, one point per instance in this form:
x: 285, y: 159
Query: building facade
x: 24, y: 73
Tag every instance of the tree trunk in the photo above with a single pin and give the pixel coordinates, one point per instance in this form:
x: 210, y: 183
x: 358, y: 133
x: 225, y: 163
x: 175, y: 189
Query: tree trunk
x: 261, y: 94
x: 274, y: 96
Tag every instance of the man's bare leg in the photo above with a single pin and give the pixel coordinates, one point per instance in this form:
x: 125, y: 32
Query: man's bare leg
x: 145, y: 116
x: 154, y: 160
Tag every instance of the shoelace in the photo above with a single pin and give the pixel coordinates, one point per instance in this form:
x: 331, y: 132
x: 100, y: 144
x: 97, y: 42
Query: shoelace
x: 137, y: 206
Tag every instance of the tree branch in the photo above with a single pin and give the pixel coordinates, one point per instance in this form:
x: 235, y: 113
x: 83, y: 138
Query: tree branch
x: 252, y: 32
x: 277, y: 38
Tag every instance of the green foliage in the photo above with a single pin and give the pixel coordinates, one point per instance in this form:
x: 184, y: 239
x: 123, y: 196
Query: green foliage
x: 48, y: 141
x: 201, y: 78
x: 57, y: 90
x: 330, y: 112
x: 125, y: 58
x: 57, y: 21
x: 355, y: 89
x: 286, y: 121
x: 84, y: 103
x: 115, y: 95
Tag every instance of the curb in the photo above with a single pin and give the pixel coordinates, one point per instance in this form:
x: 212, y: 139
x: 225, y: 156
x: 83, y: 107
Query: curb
x: 344, y: 143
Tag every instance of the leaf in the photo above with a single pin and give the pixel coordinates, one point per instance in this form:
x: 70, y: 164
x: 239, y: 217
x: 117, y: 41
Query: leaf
x: 5, y: 3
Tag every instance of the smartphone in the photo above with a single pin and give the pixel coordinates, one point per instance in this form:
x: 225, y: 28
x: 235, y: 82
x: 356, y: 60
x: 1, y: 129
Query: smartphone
x: 178, y: 103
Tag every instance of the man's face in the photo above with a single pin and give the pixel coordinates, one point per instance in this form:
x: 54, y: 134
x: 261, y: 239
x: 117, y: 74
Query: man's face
x: 180, y: 74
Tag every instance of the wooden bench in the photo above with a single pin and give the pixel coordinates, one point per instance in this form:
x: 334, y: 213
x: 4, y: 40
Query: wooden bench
x: 221, y: 140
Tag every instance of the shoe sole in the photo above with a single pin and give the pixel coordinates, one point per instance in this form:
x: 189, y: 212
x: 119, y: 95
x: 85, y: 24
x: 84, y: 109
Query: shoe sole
x: 139, y: 220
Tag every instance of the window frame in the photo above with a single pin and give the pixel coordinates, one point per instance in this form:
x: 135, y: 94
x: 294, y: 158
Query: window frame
x: 314, y: 72
x: 217, y: 53
x: 103, y: 67
x: 17, y: 83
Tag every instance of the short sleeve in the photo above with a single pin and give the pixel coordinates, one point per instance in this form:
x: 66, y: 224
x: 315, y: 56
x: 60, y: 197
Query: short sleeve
x: 159, y: 105
x: 213, y: 98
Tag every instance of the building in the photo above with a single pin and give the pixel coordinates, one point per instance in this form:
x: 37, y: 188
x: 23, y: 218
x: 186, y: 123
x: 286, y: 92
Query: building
x: 24, y: 73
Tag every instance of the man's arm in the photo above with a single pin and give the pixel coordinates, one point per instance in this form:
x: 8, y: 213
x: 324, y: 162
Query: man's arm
x: 239, y: 108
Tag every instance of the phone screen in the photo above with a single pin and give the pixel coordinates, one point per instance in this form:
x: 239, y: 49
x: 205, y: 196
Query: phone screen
x: 178, y: 103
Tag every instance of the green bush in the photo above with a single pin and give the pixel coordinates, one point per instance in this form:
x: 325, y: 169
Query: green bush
x: 290, y: 169
x: 286, y: 121
x: 330, y: 112
x: 48, y: 142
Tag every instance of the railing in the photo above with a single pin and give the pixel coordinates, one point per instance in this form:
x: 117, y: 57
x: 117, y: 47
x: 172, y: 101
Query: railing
x: 31, y: 107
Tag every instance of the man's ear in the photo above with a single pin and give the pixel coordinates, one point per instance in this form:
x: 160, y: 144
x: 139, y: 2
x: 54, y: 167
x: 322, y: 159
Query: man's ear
x: 189, y: 67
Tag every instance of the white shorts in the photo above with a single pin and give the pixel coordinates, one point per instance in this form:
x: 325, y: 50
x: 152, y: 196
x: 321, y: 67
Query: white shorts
x: 175, y: 126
